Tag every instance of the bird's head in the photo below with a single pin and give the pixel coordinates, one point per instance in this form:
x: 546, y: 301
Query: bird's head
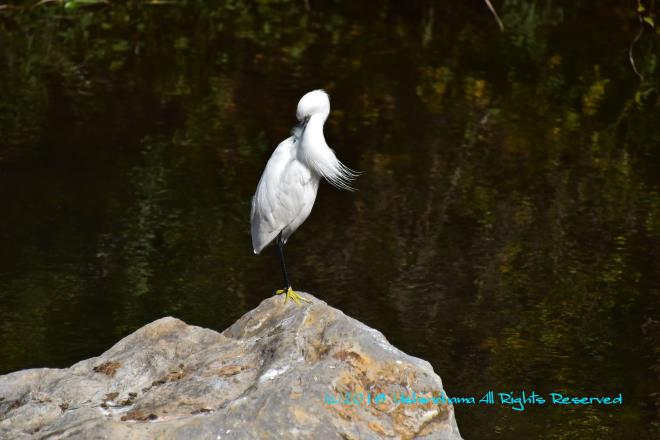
x: 314, y: 102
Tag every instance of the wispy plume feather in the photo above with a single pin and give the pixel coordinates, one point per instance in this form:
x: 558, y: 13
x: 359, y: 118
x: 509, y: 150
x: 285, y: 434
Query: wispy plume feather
x: 316, y: 153
x: 339, y: 175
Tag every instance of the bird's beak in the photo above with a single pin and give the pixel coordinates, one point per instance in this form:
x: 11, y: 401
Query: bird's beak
x: 303, y: 124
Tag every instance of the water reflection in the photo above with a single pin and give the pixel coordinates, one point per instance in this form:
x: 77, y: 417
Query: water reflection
x: 507, y: 223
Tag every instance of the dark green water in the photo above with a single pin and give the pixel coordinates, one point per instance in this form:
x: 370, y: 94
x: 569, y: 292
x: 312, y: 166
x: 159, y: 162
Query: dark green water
x: 506, y: 227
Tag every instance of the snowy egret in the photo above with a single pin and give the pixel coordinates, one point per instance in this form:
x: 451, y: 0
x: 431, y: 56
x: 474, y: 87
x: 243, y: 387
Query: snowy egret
x: 287, y: 188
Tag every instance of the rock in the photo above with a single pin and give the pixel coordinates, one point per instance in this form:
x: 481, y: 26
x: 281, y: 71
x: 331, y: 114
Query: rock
x: 272, y: 374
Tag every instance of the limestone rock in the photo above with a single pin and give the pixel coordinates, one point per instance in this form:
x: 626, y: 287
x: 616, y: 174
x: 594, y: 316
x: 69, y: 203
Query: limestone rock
x: 280, y: 372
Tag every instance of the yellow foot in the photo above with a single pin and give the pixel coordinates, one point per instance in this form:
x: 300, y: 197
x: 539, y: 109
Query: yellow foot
x: 290, y: 294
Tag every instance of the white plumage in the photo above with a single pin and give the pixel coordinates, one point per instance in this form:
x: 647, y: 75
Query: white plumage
x: 287, y: 188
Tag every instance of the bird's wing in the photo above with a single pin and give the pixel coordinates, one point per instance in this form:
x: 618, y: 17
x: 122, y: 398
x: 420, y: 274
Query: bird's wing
x: 279, y: 196
x: 306, y: 199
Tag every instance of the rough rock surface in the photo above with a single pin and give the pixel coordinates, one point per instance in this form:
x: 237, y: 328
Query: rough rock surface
x: 271, y: 375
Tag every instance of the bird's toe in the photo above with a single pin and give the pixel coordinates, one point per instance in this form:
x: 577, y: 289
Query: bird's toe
x: 290, y: 294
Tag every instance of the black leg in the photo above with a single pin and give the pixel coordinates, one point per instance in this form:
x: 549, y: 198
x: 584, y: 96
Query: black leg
x: 280, y: 252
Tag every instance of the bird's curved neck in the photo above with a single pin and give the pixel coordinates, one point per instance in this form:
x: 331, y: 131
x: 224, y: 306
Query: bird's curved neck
x: 312, y: 137
x: 313, y: 148
x: 314, y: 126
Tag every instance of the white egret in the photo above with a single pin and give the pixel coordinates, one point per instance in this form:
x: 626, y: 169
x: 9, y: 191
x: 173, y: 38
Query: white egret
x: 287, y: 188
